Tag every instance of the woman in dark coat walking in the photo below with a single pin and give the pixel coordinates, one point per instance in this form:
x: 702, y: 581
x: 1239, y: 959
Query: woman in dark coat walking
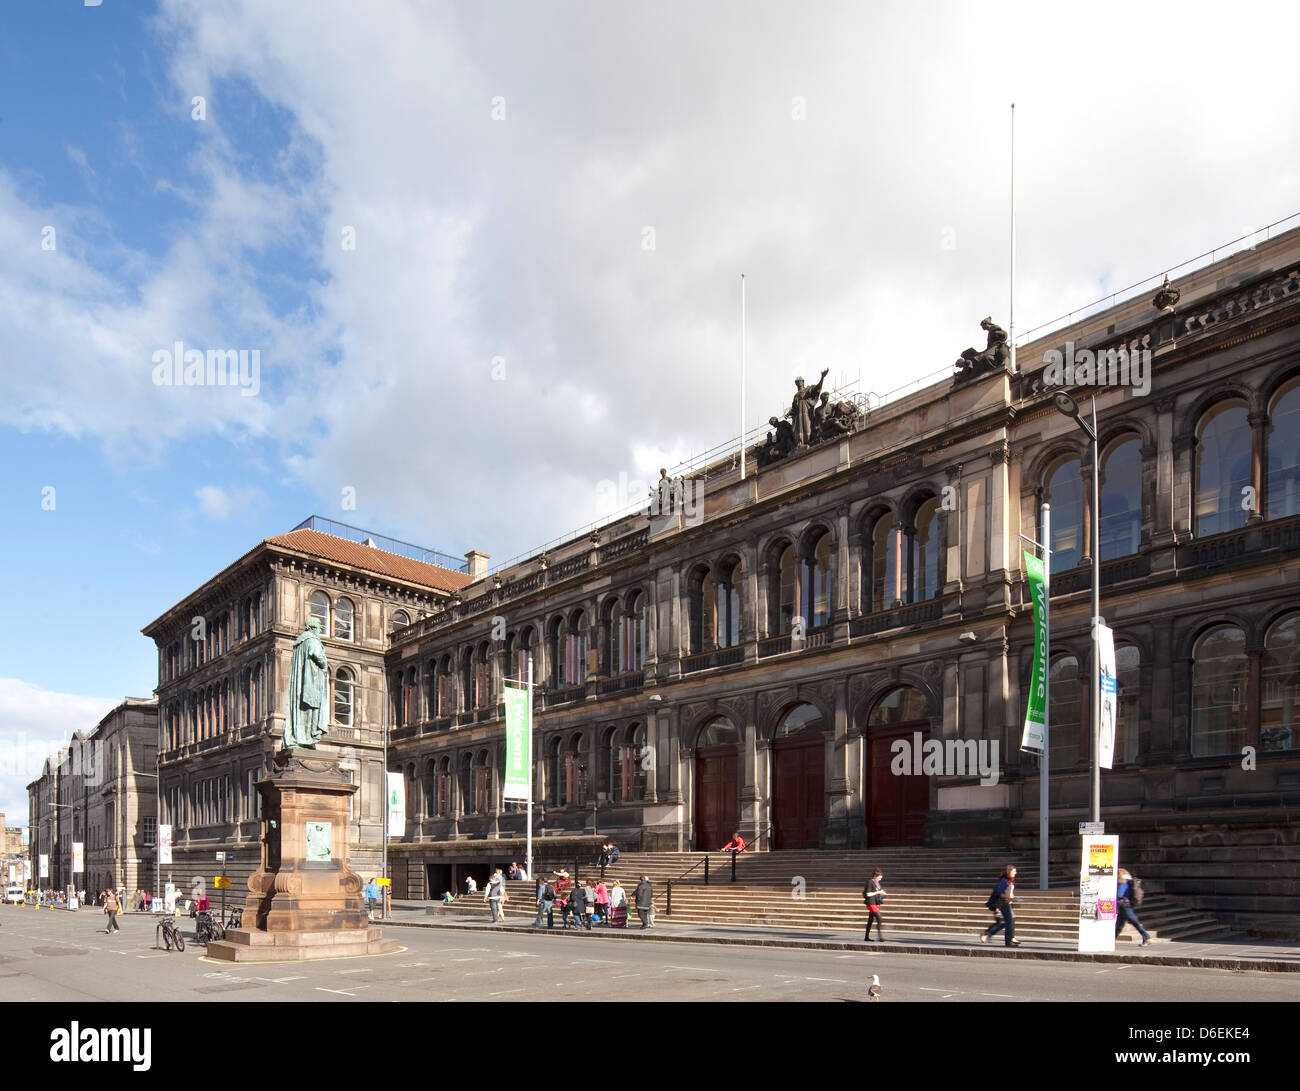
x: 1000, y: 904
x: 873, y: 894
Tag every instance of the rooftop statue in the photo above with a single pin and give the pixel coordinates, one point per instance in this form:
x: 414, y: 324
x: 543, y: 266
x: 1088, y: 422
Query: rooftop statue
x: 306, y: 714
x: 972, y: 363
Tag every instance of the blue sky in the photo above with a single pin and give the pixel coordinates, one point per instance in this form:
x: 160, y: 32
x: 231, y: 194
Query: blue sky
x: 498, y: 166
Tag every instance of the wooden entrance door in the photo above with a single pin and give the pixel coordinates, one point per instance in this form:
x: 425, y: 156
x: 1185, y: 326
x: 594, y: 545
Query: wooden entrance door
x: 896, y: 805
x: 716, y: 806
x: 798, y: 792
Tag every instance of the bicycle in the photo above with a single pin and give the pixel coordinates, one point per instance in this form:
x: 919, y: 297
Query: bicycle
x: 236, y: 919
x: 208, y: 928
x: 169, y: 935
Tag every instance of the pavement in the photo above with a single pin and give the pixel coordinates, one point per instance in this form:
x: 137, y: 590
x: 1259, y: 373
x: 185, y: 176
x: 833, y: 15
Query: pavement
x: 1219, y: 952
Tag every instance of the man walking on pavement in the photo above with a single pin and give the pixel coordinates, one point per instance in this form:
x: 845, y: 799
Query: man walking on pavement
x: 644, y: 897
x: 496, y: 891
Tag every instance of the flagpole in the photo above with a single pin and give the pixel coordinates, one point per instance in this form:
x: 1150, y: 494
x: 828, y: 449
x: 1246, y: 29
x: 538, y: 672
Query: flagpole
x: 1011, y: 305
x: 742, y: 376
x: 528, y: 847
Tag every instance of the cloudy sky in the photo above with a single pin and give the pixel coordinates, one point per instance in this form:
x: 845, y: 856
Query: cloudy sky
x: 489, y: 255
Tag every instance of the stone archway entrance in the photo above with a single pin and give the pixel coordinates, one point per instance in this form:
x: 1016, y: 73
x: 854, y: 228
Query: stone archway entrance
x: 716, y: 796
x: 799, y: 779
x: 896, y: 803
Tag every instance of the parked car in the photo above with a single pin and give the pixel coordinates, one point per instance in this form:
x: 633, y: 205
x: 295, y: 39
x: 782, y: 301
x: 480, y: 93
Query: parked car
x: 14, y: 894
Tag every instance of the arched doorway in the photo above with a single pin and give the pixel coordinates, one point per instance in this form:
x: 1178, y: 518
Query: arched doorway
x: 717, y: 808
x: 798, y: 779
x: 896, y: 805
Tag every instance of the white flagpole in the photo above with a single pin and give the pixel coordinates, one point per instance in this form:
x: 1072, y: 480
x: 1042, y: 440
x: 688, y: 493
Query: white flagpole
x: 742, y: 376
x: 528, y: 848
x: 1011, y: 334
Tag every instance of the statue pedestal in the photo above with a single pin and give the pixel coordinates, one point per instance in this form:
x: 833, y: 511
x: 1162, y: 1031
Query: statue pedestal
x: 304, y: 902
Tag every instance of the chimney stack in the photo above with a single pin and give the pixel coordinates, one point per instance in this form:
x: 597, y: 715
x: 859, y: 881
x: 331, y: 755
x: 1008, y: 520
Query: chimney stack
x: 478, y: 564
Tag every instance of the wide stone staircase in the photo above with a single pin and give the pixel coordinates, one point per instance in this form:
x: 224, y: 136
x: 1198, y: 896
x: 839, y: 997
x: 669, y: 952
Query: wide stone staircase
x: 931, y: 891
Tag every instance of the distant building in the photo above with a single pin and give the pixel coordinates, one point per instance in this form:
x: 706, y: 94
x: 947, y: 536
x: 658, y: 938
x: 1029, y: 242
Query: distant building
x: 223, y: 666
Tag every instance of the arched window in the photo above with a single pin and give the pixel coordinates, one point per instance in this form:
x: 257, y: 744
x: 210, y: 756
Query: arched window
x: 429, y: 787
x: 800, y: 720
x: 1283, y: 442
x: 444, y: 786
x: 446, y: 688
x: 555, y: 796
x: 557, y: 640
x: 466, y: 785
x: 482, y: 677
x: 575, y: 772
x: 1063, y: 489
x: 1128, y: 664
x: 901, y: 705
x: 717, y: 732
x: 878, y: 576
x: 523, y: 650
x: 632, y: 657
x: 633, y: 765
x: 467, y: 680
x: 482, y: 784
x: 1121, y: 498
x: 411, y: 695
x: 1219, y: 671
x: 731, y: 583
x: 1280, y: 679
x: 575, y: 653
x: 400, y: 619
x: 703, y: 593
x: 612, y: 634
x: 608, y: 774
x: 787, y: 592
x: 923, y: 568
x: 344, y: 683
x: 320, y: 609
x: 1222, y: 468
x: 1065, y: 703
x: 343, y: 616
x: 815, y: 582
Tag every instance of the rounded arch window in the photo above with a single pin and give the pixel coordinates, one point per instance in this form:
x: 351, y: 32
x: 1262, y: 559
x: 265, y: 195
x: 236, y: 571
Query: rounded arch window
x: 923, y: 553
x: 1219, y: 672
x: 1222, y: 468
x: 803, y: 720
x: 1063, y: 489
x: 878, y: 579
x: 320, y: 610
x: 1065, y: 697
x: 901, y: 705
x: 1283, y: 445
x: 815, y: 582
x: 344, y: 693
x: 719, y: 731
x: 343, y: 619
x: 400, y: 619
x: 1121, y: 498
x: 787, y: 575
x: 1280, y: 681
x: 1128, y: 664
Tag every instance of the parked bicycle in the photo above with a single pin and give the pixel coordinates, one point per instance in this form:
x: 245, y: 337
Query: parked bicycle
x: 167, y: 935
x: 236, y: 919
x: 207, y: 927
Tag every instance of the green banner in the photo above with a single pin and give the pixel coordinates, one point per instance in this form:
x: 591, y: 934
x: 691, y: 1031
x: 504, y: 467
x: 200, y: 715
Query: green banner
x: 1036, y: 712
x: 519, y: 739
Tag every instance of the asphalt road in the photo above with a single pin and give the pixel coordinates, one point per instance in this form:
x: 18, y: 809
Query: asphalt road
x: 62, y: 956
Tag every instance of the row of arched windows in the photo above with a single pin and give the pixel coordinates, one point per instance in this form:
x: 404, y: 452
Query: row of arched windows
x: 338, y: 617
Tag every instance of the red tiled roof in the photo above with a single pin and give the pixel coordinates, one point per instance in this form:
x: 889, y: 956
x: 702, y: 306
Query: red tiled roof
x: 371, y: 559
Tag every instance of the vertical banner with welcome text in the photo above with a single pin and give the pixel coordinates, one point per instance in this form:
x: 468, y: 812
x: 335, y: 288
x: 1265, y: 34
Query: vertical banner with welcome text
x: 519, y: 738
x: 45, y: 866
x: 164, y: 843
x: 78, y: 858
x: 1036, y: 710
x: 1109, y: 696
x: 396, y: 805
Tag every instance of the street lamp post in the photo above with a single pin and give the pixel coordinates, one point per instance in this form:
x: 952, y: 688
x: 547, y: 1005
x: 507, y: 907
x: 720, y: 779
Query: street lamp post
x: 1068, y: 406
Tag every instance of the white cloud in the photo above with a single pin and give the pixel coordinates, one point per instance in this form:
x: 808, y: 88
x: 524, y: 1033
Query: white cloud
x: 217, y: 503
x: 37, y: 723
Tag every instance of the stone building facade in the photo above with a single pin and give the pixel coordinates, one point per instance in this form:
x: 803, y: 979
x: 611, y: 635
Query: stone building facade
x: 120, y: 792
x: 755, y: 654
x: 223, y: 664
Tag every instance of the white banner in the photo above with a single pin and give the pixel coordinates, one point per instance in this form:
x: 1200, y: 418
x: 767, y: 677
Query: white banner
x: 27, y: 870
x: 45, y: 866
x: 396, y: 805
x: 1098, y: 907
x: 164, y: 843
x: 1109, y: 695
x: 78, y: 857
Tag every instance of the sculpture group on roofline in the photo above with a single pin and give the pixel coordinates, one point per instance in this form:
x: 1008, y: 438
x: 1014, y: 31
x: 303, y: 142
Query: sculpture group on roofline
x: 811, y: 419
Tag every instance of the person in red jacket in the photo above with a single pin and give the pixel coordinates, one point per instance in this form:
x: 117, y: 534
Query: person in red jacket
x: 736, y: 844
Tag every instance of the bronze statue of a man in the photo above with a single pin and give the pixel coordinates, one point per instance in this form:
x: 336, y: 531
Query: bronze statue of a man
x: 801, y: 408
x: 307, y: 713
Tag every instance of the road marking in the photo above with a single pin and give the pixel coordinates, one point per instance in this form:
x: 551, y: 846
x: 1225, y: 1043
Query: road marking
x: 481, y: 973
x: 605, y: 961
x: 341, y: 992
x: 924, y: 989
x: 282, y: 980
x: 705, y: 969
x: 506, y: 992
x: 1004, y: 996
x: 462, y: 960
x: 833, y: 980
x: 362, y: 970
x: 947, y: 995
x: 619, y: 977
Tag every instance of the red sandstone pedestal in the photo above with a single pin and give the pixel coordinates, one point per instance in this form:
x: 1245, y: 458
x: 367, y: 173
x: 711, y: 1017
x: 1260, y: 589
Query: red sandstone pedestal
x: 304, y: 902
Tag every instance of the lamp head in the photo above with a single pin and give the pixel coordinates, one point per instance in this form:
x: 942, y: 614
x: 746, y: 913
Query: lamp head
x: 1066, y: 404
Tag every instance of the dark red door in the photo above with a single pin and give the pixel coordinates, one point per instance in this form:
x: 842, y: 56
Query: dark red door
x: 716, y: 809
x: 798, y: 792
x: 896, y: 804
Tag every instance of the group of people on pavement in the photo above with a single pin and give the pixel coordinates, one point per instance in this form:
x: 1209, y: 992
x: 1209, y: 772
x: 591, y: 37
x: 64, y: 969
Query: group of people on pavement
x: 586, y: 904
x: 1128, y: 895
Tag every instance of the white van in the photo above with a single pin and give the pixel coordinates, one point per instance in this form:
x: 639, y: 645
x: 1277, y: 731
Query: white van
x: 14, y: 894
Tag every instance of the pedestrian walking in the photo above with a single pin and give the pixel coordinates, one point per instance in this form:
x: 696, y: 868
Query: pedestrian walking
x: 602, y: 904
x: 873, y: 895
x: 542, y: 884
x: 644, y: 896
x: 111, y: 906
x: 999, y: 903
x: 495, y: 895
x: 1128, y: 895
x: 372, y: 897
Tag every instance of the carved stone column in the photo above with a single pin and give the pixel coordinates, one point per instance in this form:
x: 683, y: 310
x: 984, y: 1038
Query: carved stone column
x: 1258, y: 478
x: 898, y: 532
